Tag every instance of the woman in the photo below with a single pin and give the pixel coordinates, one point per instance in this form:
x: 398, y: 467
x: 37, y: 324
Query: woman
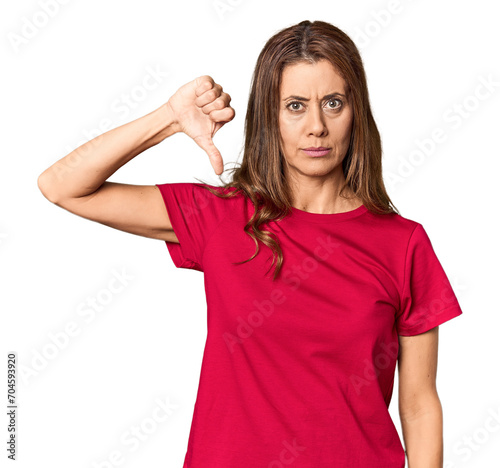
x: 299, y: 365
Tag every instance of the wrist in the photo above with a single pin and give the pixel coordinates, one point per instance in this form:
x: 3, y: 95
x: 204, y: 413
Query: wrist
x: 170, y: 118
x: 167, y: 125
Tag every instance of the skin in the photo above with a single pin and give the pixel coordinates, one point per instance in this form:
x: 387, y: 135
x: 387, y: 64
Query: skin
x: 78, y: 183
x: 316, y: 183
x: 319, y: 121
x: 420, y: 408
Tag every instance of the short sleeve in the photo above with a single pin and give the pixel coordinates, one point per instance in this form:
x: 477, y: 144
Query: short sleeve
x: 427, y: 298
x: 194, y: 214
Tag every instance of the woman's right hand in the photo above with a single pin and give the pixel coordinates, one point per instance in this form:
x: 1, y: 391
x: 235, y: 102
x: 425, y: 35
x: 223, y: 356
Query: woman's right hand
x: 200, y: 108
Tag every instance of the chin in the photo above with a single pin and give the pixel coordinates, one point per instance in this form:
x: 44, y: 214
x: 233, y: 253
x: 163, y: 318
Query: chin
x: 316, y: 168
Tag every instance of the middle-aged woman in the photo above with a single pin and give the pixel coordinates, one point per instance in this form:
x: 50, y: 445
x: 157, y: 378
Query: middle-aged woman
x: 299, y: 365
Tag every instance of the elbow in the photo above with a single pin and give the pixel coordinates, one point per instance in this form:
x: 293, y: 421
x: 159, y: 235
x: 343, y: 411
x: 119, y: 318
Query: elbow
x: 46, y: 186
x: 427, y: 403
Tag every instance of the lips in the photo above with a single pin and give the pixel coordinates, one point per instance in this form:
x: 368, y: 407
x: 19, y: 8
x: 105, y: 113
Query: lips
x: 318, y: 151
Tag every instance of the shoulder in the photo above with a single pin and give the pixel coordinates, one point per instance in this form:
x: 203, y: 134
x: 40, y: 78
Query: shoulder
x: 222, y: 202
x: 393, y: 227
x: 199, y: 192
x: 217, y: 194
x: 198, y: 202
x: 392, y: 220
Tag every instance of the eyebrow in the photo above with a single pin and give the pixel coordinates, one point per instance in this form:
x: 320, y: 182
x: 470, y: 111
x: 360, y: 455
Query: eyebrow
x: 328, y: 96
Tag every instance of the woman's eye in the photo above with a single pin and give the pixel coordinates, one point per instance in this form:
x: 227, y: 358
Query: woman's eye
x: 294, y: 103
x: 335, y: 100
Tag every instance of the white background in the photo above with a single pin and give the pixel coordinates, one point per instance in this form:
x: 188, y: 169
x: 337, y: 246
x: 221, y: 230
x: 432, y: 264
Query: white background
x: 62, y: 79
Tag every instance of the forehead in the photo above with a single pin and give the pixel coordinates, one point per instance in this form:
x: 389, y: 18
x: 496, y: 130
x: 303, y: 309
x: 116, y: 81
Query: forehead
x: 309, y: 80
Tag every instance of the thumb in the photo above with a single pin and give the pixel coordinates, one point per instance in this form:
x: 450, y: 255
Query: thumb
x: 213, y: 153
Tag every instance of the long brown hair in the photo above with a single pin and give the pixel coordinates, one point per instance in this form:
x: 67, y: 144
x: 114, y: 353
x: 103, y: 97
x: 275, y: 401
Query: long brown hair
x: 260, y: 176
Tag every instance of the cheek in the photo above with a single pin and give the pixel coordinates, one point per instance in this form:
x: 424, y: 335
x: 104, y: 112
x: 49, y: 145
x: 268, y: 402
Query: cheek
x: 348, y: 123
x: 287, y: 132
x: 346, y: 131
x: 342, y: 130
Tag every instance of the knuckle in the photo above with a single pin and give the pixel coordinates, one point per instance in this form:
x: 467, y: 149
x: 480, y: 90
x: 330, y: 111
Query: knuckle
x: 205, y: 83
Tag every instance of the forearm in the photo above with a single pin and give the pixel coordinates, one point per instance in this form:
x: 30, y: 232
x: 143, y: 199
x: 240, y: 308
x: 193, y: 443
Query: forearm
x: 423, y: 436
x: 85, y: 169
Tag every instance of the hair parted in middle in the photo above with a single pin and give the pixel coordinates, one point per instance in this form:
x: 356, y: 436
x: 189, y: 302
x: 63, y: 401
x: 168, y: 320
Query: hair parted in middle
x: 260, y: 176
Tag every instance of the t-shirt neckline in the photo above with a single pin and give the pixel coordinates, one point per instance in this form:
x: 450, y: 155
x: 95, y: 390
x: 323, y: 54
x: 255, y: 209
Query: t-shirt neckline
x: 328, y: 217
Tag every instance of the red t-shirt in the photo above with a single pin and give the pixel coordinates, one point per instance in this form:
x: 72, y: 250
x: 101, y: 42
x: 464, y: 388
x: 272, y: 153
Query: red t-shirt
x: 301, y: 370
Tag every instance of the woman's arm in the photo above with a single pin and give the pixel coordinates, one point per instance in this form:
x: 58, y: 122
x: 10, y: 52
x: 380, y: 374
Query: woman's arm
x: 78, y: 184
x: 82, y: 172
x: 419, y: 405
x: 77, y: 181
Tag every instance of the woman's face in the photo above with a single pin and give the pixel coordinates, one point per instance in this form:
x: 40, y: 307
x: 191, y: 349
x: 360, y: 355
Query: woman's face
x: 314, y: 112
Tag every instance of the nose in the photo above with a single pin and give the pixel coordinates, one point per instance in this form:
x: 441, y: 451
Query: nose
x: 316, y: 121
